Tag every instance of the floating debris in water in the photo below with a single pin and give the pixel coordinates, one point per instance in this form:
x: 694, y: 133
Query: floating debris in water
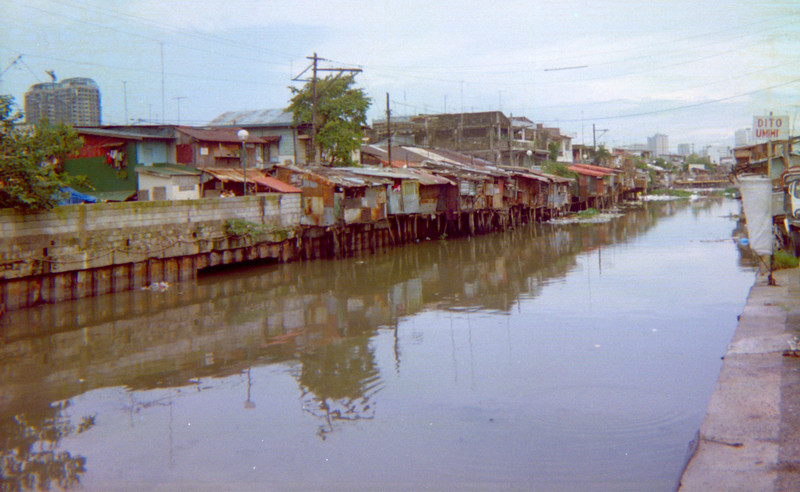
x: 600, y: 218
x: 157, y: 286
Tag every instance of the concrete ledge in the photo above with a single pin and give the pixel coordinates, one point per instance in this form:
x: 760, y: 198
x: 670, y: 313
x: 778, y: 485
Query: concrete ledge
x: 742, y: 440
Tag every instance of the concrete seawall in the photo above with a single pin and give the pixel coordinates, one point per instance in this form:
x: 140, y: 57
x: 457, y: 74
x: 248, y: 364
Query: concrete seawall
x: 78, y: 251
x: 750, y: 437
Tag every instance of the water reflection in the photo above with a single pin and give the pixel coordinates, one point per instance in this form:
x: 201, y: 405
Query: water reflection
x: 30, y: 457
x: 321, y: 319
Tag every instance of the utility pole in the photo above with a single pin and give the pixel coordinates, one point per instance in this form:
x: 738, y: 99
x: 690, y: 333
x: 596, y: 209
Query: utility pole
x: 162, y: 82
x: 594, y: 135
x: 17, y: 59
x: 389, y: 130
x: 314, y: 111
x: 178, y: 98
x: 314, y: 70
x: 125, y: 98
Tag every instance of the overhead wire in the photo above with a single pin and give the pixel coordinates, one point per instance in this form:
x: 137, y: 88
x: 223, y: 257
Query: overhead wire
x: 409, y: 72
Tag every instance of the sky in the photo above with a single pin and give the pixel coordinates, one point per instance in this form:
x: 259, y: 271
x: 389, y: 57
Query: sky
x: 616, y: 71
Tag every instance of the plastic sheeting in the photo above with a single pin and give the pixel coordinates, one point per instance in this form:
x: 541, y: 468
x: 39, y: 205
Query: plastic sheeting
x: 72, y: 197
x: 757, y: 204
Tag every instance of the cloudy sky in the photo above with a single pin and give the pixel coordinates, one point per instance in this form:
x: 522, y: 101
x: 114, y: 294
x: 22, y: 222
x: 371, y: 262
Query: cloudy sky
x: 694, y: 70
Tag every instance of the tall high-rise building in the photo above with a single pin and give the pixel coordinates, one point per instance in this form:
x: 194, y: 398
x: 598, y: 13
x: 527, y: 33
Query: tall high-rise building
x: 684, y: 149
x: 744, y: 137
x: 658, y: 145
x: 73, y: 101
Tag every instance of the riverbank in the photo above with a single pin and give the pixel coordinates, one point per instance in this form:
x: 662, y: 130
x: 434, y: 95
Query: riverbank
x: 750, y: 437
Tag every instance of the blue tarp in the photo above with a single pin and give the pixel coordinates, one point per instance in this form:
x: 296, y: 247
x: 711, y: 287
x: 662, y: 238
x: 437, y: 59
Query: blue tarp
x: 73, y: 196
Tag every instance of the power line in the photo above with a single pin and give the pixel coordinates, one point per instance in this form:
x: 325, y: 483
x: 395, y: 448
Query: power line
x: 687, y: 106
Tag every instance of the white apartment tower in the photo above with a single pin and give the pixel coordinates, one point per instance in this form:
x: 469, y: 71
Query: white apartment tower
x: 658, y: 145
x: 74, y: 101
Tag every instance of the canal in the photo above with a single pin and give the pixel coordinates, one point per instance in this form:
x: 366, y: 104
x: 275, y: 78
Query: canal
x: 553, y: 357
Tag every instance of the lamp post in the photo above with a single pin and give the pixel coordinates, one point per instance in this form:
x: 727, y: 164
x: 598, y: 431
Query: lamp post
x: 242, y: 136
x: 529, y: 153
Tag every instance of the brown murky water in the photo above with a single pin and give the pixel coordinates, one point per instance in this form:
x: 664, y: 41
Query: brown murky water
x: 559, y: 357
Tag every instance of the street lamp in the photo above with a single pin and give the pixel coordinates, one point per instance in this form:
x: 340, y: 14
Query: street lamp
x: 242, y: 136
x: 529, y: 153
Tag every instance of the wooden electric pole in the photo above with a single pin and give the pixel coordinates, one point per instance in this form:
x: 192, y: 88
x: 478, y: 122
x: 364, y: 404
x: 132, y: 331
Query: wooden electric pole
x: 389, y: 130
x: 315, y: 69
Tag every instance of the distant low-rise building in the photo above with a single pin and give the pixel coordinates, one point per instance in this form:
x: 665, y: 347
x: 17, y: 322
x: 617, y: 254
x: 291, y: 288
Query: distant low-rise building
x: 744, y: 137
x: 221, y: 148
x: 293, y: 141
x: 658, y: 144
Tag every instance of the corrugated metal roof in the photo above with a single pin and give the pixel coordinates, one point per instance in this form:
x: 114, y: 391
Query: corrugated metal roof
x: 113, y: 196
x: 590, y: 167
x: 558, y: 179
x: 259, y: 117
x: 153, y: 132
x: 589, y: 172
x: 254, y: 176
x: 227, y: 135
x: 526, y: 173
x: 122, y: 134
x: 340, y: 176
x: 401, y: 156
x: 422, y: 177
x: 169, y: 170
x: 276, y: 185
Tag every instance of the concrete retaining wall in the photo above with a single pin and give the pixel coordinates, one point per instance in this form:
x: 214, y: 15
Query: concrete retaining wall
x: 82, y: 250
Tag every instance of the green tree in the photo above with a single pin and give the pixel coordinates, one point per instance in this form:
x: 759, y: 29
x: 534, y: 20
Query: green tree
x: 30, y: 158
x: 602, y: 155
x: 341, y: 113
x: 554, y: 148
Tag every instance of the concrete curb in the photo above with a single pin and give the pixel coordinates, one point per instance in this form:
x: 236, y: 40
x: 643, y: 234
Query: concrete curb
x: 739, y: 445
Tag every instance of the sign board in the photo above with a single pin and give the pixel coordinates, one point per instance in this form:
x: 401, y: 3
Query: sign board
x: 770, y: 127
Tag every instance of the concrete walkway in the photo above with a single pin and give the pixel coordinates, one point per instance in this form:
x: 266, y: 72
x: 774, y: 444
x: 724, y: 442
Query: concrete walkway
x: 750, y: 437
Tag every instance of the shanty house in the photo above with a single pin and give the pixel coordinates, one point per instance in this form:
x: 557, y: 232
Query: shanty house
x: 595, y: 186
x: 221, y: 148
x: 336, y: 196
x: 292, y: 142
x: 231, y: 182
x: 168, y: 182
x: 110, y: 155
x: 412, y: 191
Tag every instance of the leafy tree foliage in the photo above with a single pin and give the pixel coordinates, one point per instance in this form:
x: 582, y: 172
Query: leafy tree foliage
x: 341, y: 112
x: 554, y: 148
x: 558, y: 169
x: 30, y: 455
x: 30, y: 159
x: 602, y: 156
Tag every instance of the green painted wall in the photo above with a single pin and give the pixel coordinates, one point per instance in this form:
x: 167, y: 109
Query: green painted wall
x: 103, y: 176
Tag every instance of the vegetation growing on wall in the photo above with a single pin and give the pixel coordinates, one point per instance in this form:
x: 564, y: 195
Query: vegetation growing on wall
x: 558, y: 169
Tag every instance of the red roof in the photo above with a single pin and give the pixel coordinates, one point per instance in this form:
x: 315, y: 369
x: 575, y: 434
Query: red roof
x: 589, y: 172
x: 275, y: 184
x: 235, y: 175
x: 589, y: 167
